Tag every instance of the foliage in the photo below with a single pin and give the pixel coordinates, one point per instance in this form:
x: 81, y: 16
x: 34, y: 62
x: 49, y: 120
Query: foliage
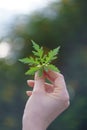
x: 42, y: 62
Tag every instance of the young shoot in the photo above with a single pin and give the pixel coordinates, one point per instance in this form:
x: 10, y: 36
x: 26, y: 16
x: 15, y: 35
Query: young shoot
x: 41, y: 62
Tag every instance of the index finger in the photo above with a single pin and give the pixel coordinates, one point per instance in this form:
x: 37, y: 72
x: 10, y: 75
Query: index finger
x: 56, y: 78
x: 52, y: 75
x: 39, y: 82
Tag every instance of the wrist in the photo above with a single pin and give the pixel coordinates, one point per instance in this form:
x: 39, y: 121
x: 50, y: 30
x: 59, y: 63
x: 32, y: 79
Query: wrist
x: 32, y: 123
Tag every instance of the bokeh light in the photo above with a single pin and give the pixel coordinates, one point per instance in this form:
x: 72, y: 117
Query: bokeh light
x: 4, y: 49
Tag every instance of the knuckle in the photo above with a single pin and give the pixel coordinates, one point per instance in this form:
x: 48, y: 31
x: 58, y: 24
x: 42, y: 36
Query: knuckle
x: 67, y: 104
x: 61, y: 75
x: 66, y: 100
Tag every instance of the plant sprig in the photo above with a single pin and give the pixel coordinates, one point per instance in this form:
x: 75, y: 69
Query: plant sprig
x: 41, y: 62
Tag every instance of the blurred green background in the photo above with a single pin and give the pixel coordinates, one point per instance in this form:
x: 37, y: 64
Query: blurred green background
x: 61, y: 23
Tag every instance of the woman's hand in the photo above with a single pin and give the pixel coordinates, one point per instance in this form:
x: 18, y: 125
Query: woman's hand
x: 46, y: 101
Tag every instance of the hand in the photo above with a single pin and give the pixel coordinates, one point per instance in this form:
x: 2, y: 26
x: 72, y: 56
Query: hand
x: 46, y: 101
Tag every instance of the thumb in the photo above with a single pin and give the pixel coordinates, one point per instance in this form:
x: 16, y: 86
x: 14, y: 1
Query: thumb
x: 39, y: 82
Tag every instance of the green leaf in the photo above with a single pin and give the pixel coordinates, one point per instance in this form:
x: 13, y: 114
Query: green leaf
x: 32, y: 70
x: 53, y: 67
x: 52, y: 55
x: 56, y: 50
x: 30, y: 61
x: 41, y: 61
x: 24, y: 60
x: 38, y: 51
x: 35, y: 46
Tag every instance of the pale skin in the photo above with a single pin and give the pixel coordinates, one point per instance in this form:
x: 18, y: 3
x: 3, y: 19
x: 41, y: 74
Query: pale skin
x: 46, y: 102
